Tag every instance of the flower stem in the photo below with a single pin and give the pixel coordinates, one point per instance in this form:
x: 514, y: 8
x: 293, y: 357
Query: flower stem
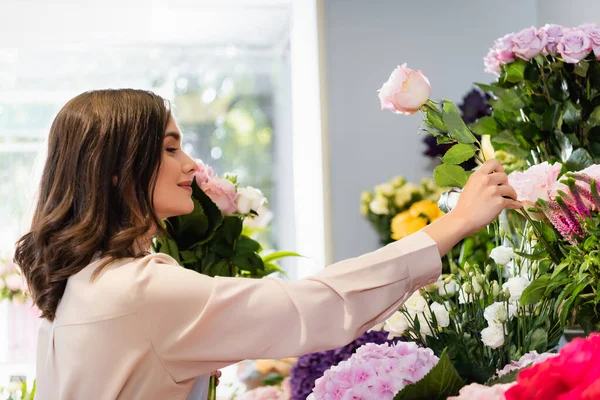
x: 553, y: 255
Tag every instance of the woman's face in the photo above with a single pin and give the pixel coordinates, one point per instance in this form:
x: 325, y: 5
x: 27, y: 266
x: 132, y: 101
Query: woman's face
x: 173, y: 193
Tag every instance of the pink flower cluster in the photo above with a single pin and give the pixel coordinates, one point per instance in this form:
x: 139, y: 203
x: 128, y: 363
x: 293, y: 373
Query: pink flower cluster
x: 564, y: 203
x: 375, y: 372
x: 571, y: 44
x: 269, y: 392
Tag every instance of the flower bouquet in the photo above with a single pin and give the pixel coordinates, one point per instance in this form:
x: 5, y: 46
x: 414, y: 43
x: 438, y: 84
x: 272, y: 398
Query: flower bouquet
x: 211, y: 240
x: 398, y: 208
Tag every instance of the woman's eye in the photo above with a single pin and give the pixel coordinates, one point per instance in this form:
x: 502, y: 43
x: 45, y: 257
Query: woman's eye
x: 172, y: 149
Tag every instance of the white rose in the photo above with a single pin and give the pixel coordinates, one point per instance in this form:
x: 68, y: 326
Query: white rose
x: 493, y: 336
x: 261, y: 220
x: 496, y: 314
x: 249, y: 199
x: 416, y: 303
x: 396, y: 325
x: 379, y: 205
x: 516, y: 285
x: 385, y: 189
x: 441, y: 314
x: 449, y: 288
x: 502, y: 255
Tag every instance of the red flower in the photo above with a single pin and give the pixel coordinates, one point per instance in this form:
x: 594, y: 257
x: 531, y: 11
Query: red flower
x: 573, y: 375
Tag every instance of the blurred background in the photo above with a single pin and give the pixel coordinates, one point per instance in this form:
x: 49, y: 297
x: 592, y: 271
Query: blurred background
x: 281, y: 92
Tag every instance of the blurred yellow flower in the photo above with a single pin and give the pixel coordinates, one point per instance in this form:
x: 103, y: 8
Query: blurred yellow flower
x: 426, y: 208
x: 405, y: 224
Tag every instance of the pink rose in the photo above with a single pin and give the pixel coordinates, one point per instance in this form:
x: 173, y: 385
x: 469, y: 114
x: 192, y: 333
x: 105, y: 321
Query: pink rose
x: 553, y: 34
x: 405, y: 92
x: 222, y: 192
x: 529, y: 43
x: 500, y: 54
x: 535, y: 183
x: 574, y: 46
x: 204, y: 173
x: 475, y: 391
x: 593, y: 32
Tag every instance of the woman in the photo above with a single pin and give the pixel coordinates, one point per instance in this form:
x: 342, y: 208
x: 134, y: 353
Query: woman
x: 120, y: 323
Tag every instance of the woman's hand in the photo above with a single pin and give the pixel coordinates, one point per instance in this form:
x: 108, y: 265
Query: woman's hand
x: 483, y: 198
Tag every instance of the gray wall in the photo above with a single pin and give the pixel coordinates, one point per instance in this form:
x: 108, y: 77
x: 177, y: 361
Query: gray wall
x: 364, y: 41
x: 568, y: 13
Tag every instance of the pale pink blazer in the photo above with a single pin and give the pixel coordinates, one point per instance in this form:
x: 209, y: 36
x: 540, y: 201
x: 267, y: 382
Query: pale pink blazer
x: 148, y: 329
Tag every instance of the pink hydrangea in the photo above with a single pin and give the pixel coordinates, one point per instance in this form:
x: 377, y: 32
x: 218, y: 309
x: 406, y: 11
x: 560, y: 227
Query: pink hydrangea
x: 531, y: 358
x: 375, y: 372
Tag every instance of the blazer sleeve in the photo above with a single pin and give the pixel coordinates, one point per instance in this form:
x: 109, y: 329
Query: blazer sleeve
x: 197, y: 324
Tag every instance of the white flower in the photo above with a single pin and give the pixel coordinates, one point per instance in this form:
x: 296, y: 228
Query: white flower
x: 441, y: 314
x: 385, y: 189
x: 416, y: 303
x: 449, y: 288
x: 502, y: 255
x: 424, y: 322
x: 463, y: 296
x: 261, y: 220
x: 396, y: 325
x: 496, y: 314
x: 477, y: 288
x: 379, y: 205
x: 249, y: 199
x: 493, y: 336
x: 401, y: 197
x: 516, y: 285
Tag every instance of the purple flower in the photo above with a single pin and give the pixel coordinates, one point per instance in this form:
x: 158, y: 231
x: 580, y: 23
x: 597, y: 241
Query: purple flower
x: 376, y: 372
x: 310, y: 367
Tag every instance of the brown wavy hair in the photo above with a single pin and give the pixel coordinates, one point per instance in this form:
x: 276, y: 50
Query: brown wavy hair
x: 95, y: 195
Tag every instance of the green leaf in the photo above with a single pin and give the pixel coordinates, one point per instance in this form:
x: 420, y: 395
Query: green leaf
x: 509, y: 100
x: 572, y: 114
x: 594, y: 118
x: 579, y: 160
x: 434, y: 120
x: 551, y: 118
x: 459, y: 153
x: 232, y: 228
x: 558, y: 87
x: 247, y: 245
x: 277, y: 255
x: 564, y: 145
x: 440, y: 383
x: 446, y: 175
x: 567, y: 307
x: 455, y: 124
x: 535, y: 291
x: 515, y: 71
x: 581, y: 68
x: 538, y: 340
x: 485, y: 126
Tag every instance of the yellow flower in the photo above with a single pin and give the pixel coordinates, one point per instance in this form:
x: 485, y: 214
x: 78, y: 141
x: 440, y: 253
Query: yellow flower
x: 426, y: 208
x: 405, y: 224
